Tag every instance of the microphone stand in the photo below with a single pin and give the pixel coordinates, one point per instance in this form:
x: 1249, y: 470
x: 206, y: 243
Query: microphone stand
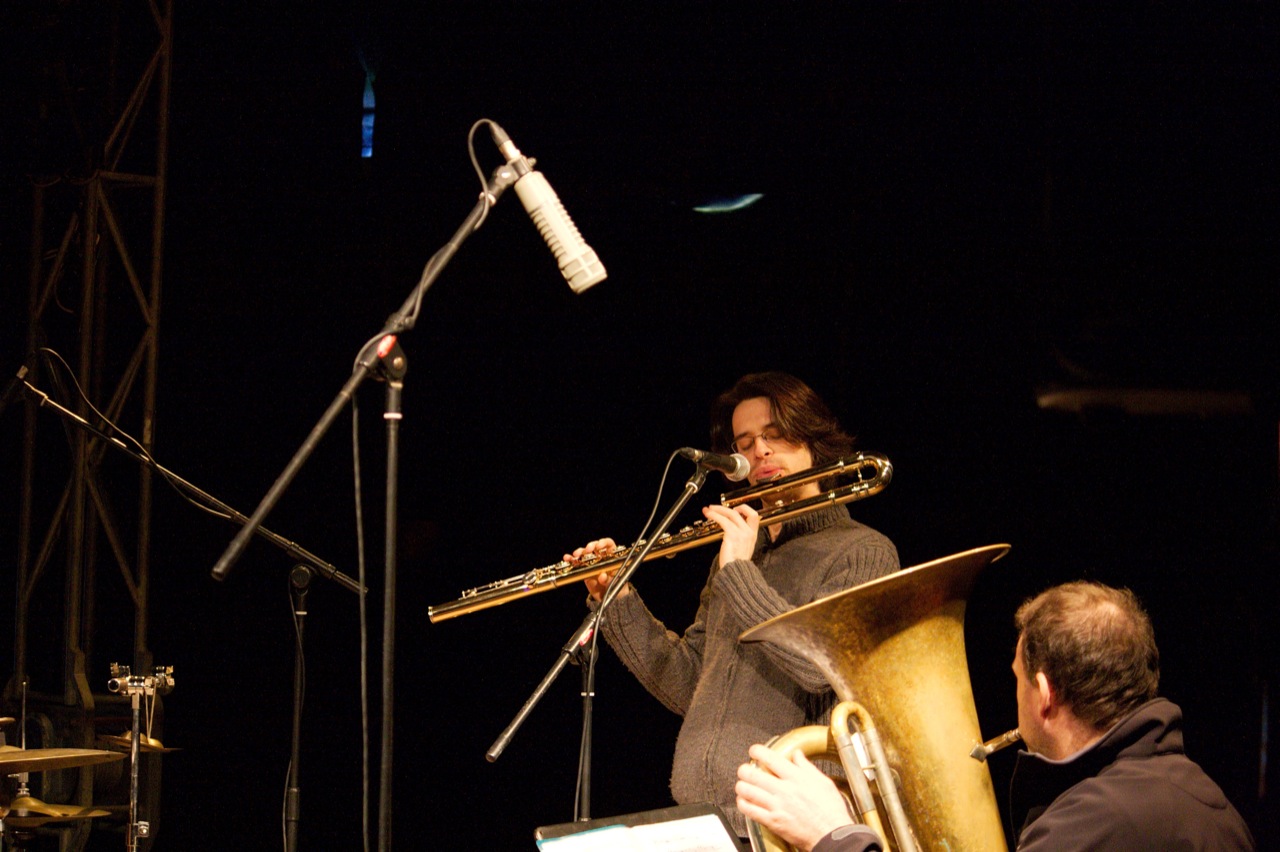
x: 583, y: 635
x: 299, y: 580
x: 394, y: 367
x: 586, y: 658
x: 299, y: 583
x: 295, y: 551
x: 380, y: 348
x: 402, y: 320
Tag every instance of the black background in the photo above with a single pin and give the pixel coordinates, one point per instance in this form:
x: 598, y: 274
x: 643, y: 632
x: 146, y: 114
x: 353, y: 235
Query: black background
x: 959, y: 209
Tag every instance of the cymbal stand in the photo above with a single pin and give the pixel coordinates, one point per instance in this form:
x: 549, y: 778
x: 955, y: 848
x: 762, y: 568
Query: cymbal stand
x: 140, y: 689
x: 23, y: 777
x: 19, y: 838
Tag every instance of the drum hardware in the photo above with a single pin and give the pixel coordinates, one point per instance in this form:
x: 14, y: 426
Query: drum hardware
x: 20, y: 761
x: 141, y: 689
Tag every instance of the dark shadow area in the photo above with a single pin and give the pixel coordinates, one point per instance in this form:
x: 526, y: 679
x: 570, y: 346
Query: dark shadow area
x: 960, y: 212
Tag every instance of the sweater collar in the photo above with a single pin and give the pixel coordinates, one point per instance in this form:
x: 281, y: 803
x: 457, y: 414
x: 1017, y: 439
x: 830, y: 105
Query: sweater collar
x: 818, y: 519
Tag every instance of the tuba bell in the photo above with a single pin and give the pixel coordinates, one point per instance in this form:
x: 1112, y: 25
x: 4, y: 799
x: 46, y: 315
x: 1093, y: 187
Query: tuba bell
x: 893, y: 651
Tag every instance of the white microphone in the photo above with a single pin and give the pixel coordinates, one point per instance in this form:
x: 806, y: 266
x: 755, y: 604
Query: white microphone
x: 578, y: 262
x: 734, y: 467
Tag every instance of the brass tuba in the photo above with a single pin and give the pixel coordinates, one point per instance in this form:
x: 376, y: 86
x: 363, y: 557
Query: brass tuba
x: 893, y: 650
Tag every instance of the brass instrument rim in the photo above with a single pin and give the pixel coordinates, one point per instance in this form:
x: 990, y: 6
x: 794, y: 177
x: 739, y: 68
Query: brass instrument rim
x: 997, y: 551
x: 895, y: 645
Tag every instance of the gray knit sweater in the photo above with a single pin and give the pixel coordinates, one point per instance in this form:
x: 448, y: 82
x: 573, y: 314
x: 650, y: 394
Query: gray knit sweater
x: 733, y: 694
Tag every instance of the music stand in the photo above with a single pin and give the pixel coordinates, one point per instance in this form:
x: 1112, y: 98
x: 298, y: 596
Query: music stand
x: 682, y: 828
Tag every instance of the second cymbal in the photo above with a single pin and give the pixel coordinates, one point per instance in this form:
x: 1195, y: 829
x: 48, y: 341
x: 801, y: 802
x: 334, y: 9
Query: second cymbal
x: 32, y: 808
x: 125, y: 741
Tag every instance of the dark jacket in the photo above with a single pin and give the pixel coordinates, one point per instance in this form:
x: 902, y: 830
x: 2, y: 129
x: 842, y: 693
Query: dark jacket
x: 1133, y: 789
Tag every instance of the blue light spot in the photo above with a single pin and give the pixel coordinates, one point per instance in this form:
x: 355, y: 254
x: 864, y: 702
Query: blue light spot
x: 366, y: 123
x: 729, y: 205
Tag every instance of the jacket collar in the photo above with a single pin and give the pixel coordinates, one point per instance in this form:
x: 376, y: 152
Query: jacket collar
x: 1154, y: 728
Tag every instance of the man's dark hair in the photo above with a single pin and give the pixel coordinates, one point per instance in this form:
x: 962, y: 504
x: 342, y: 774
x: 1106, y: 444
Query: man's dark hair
x: 798, y: 412
x: 1096, y: 646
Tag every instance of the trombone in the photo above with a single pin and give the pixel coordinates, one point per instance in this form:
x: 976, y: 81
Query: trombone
x: 867, y: 474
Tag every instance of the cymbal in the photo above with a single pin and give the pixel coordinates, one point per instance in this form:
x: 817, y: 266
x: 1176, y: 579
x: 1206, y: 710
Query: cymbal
x: 17, y: 820
x: 125, y: 741
x: 32, y: 808
x: 13, y: 760
x: 30, y: 812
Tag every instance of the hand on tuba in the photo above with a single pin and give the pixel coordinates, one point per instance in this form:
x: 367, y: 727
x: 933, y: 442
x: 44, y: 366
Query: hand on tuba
x: 790, y: 796
x: 596, y: 584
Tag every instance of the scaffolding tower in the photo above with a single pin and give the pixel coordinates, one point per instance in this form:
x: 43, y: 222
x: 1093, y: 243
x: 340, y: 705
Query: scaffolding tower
x: 98, y: 143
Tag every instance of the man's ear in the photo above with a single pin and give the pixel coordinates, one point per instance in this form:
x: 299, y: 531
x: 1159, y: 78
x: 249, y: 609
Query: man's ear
x: 1047, y: 698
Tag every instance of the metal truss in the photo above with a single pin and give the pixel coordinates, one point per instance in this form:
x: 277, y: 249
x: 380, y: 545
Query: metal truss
x: 97, y: 241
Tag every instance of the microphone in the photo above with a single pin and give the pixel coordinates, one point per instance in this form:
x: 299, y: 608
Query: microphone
x: 11, y: 387
x: 578, y: 262
x: 734, y: 467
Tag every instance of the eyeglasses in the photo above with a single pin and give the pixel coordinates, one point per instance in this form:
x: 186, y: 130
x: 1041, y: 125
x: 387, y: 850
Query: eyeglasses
x: 772, y: 436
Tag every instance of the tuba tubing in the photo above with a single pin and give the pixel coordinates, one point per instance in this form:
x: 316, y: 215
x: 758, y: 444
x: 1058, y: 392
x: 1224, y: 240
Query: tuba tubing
x: 870, y: 475
x: 836, y: 741
x: 817, y: 741
x: 984, y: 750
x: 863, y: 800
x: 883, y: 773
